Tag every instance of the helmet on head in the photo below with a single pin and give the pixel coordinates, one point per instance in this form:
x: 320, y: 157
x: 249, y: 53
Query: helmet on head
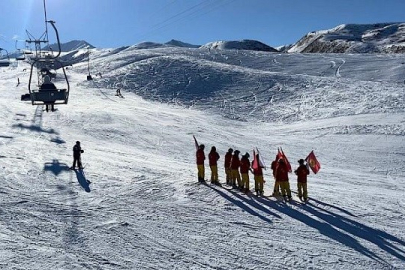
x: 47, y: 79
x: 301, y: 161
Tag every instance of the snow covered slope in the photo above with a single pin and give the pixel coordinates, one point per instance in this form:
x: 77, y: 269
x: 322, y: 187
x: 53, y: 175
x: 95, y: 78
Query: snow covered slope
x: 354, y: 38
x: 144, y: 209
x: 246, y: 44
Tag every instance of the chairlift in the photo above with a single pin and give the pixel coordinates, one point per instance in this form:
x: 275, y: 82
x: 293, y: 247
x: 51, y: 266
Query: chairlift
x: 45, y: 95
x: 4, y: 63
x: 21, y: 55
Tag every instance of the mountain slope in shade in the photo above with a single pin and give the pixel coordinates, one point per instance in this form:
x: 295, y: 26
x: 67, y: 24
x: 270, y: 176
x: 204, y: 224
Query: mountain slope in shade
x: 178, y: 43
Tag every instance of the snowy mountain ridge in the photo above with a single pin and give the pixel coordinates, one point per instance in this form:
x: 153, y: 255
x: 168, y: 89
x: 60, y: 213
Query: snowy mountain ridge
x: 345, y: 38
x: 70, y: 46
x: 354, y: 38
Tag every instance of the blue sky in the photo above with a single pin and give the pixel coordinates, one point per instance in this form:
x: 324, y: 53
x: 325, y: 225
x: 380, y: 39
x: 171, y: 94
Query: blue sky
x: 114, y: 23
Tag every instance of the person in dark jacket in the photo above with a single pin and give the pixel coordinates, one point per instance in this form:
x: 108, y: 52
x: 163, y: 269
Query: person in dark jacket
x: 235, y: 164
x: 244, y: 171
x: 48, y: 85
x: 213, y: 157
x: 200, y: 157
x: 276, y: 189
x: 302, y: 172
x: 227, y: 166
x: 77, y: 151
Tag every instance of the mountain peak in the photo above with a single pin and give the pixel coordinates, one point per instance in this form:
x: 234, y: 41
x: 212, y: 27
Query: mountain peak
x: 70, y: 46
x: 178, y: 43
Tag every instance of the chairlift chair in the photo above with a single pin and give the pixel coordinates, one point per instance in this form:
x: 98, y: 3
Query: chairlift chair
x: 48, y: 97
x: 44, y: 95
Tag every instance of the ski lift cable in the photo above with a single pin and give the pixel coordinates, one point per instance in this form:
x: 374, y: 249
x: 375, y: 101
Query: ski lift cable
x: 163, y: 8
x: 207, y: 9
x: 167, y: 21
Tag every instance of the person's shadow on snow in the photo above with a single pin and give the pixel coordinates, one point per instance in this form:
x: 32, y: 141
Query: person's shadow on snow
x: 81, y: 178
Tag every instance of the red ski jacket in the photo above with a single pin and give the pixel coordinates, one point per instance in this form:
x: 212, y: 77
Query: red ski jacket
x: 281, y: 172
x: 302, y: 172
x: 244, y: 165
x: 213, y: 158
x: 200, y: 157
x: 235, y: 162
x: 228, y: 159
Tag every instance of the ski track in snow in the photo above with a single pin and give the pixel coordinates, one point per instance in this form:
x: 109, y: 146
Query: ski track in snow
x: 144, y: 208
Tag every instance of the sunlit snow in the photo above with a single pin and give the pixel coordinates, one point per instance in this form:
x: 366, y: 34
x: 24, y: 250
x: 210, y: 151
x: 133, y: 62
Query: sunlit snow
x: 144, y: 208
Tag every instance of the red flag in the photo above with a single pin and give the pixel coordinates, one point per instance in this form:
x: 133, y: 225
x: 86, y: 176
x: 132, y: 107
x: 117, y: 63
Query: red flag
x: 279, y: 154
x: 285, y: 159
x: 261, y: 160
x: 313, y: 162
x: 196, y: 143
x: 255, y: 164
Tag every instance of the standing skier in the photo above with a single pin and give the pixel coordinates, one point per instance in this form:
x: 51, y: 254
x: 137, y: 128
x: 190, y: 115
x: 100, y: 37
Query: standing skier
x: 244, y: 171
x: 302, y: 172
x: 200, y: 157
x: 235, y: 163
x: 227, y: 166
x: 282, y: 178
x: 258, y: 176
x: 77, y: 151
x: 213, y: 157
x: 276, y: 189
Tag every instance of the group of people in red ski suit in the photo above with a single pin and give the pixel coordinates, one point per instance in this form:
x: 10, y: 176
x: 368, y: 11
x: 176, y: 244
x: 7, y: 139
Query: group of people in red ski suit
x: 237, y: 172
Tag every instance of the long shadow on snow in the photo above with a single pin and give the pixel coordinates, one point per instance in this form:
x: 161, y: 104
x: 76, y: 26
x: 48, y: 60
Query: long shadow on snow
x: 81, y: 178
x: 377, y: 237
x: 56, y: 167
x: 244, y: 206
x: 323, y: 227
x: 328, y: 205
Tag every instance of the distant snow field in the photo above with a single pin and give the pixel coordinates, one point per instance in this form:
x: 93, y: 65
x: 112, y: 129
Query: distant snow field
x: 143, y: 207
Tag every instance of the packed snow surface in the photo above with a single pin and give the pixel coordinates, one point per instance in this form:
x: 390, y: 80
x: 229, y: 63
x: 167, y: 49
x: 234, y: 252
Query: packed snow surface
x: 143, y: 207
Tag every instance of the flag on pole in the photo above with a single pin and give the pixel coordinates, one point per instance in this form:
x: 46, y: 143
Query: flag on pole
x: 255, y: 163
x: 261, y: 160
x: 196, y: 143
x: 283, y: 156
x: 313, y: 162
